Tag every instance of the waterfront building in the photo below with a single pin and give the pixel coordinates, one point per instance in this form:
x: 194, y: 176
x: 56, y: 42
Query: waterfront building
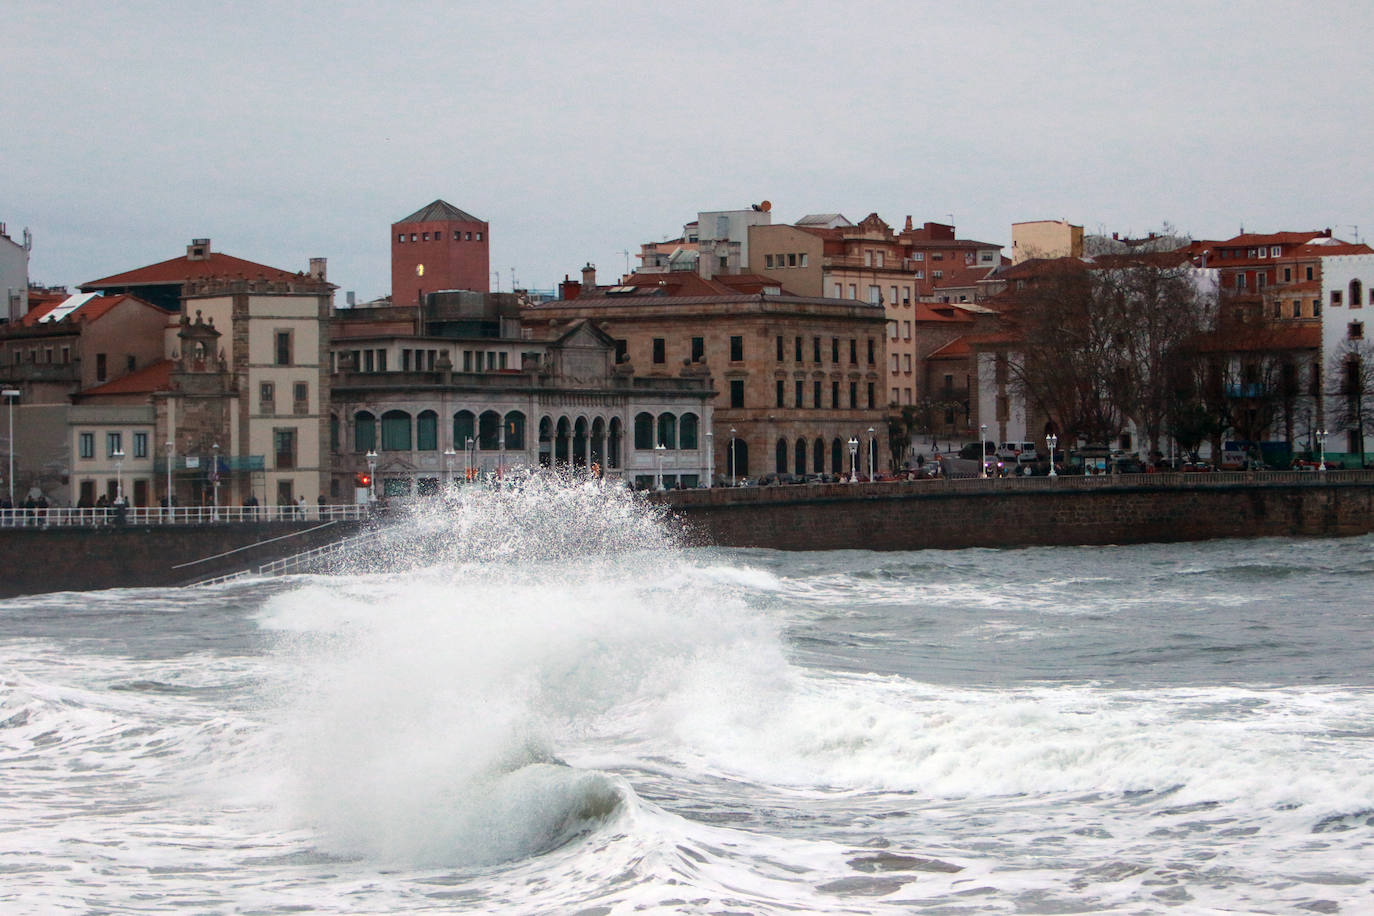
x: 459, y: 389
x: 1347, y: 360
x: 795, y: 377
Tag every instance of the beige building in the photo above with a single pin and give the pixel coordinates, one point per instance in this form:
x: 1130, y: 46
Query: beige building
x: 1045, y: 238
x: 796, y: 377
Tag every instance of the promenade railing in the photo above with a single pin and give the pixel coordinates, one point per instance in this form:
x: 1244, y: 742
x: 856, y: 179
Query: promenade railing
x: 71, y: 517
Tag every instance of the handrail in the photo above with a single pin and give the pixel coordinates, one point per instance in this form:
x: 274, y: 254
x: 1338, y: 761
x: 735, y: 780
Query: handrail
x: 69, y: 517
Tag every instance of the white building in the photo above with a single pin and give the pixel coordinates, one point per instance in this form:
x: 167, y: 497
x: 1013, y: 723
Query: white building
x: 1347, y: 282
x: 14, y: 274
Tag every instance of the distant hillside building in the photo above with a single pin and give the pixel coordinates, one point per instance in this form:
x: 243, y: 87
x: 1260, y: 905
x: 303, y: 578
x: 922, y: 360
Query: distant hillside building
x: 438, y: 247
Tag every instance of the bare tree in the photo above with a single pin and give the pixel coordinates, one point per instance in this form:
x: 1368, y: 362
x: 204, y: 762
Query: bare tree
x: 1350, y: 403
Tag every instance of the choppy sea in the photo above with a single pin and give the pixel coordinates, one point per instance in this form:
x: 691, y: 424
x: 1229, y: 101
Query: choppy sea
x: 536, y: 702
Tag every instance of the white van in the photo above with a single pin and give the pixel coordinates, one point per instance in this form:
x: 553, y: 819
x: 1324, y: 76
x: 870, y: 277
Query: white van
x: 1019, y: 452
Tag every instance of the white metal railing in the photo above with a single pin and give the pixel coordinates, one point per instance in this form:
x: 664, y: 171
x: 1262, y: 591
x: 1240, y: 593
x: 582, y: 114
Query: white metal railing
x: 62, y: 516
x: 294, y: 562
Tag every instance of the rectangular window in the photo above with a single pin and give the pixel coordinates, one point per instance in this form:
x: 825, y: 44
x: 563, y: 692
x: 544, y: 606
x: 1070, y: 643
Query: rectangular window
x: 479, y: 236
x: 768, y: 261
x: 906, y: 362
x: 1287, y: 275
x: 894, y: 395
x: 875, y: 295
x: 797, y: 393
x: 140, y: 445
x: 1356, y: 330
x: 853, y: 291
x: 284, y: 441
x: 892, y: 329
x: 906, y: 330
x: 937, y: 274
x: 835, y: 395
x: 918, y: 256
x: 87, y: 445
x: 834, y: 349
x: 114, y: 442
x: 839, y: 291
x: 400, y: 236
x: 920, y: 275
x: 698, y: 349
x: 853, y: 351
x: 1297, y: 308
x: 1275, y: 251
x: 853, y: 394
x: 797, y: 349
x: 868, y: 258
x: 301, y: 392
x: 1309, y: 273
x: 815, y: 349
x: 283, y: 348
x: 1240, y: 281
x: 100, y: 369
x: 780, y: 356
x: 267, y: 393
x: 871, y: 357
x: 1260, y: 279
x: 894, y: 362
x: 660, y: 351
x: 816, y: 394
x: 803, y: 259
x: 782, y: 401
x: 736, y: 392
x: 1335, y: 298
x: 870, y: 396
x: 892, y: 295
x: 736, y: 349
x: 791, y: 260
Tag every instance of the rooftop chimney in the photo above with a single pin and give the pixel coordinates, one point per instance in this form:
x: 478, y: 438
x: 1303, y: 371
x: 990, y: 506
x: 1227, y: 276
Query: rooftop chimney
x: 589, y: 276
x: 908, y: 222
x: 317, y: 268
x: 198, y: 250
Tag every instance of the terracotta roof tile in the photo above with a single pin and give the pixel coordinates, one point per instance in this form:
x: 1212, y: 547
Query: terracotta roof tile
x: 179, y: 270
x: 152, y: 377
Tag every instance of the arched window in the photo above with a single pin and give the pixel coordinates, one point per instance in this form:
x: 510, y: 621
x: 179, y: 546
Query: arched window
x: 395, y: 431
x: 801, y: 456
x: 489, y: 431
x: 464, y: 428
x: 1356, y: 294
x: 837, y: 456
x: 687, y: 431
x: 644, y: 431
x: 737, y: 458
x: 545, y: 442
x: 427, y: 431
x: 667, y: 430
x: 780, y: 463
x: 818, y: 456
x: 515, y: 431
x: 562, y: 441
x: 364, y: 432
x: 579, y: 443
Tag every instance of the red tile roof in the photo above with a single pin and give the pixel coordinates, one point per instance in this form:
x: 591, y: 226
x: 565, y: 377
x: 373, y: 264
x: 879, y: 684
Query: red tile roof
x: 179, y: 270
x: 91, y: 310
x: 152, y: 377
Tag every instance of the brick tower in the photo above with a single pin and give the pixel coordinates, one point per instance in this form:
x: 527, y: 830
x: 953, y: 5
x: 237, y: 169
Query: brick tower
x: 438, y: 247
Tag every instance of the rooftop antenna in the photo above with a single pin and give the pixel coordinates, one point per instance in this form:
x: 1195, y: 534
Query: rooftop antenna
x: 497, y: 275
x: 626, y: 253
x: 1346, y: 226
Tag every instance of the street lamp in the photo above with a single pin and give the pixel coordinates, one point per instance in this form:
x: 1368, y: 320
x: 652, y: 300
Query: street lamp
x: 118, y: 456
x: 710, y: 460
x: 10, y: 394
x: 467, y: 458
x: 733, y: 466
x: 449, y: 455
x: 853, y: 457
x: 1052, y: 440
x: 983, y: 450
x: 872, y: 448
x: 372, y: 476
x: 658, y: 466
x: 1321, y: 448
x: 214, y: 481
x: 501, y: 449
x: 170, y: 459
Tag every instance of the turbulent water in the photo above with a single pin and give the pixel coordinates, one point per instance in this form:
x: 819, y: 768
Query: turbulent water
x: 535, y: 702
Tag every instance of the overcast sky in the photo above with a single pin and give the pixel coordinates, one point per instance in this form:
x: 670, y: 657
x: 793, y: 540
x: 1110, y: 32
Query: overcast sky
x: 285, y: 131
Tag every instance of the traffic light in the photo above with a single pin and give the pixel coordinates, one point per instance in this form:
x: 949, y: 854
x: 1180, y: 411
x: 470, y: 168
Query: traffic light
x: 363, y: 481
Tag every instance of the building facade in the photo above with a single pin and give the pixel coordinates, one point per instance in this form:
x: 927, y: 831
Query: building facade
x: 438, y: 247
x: 795, y: 378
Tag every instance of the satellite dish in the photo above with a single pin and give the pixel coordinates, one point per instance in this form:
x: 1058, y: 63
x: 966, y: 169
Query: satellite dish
x: 766, y: 206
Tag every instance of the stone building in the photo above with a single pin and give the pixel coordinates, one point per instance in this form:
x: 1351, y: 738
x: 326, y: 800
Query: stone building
x: 457, y: 389
x: 796, y: 377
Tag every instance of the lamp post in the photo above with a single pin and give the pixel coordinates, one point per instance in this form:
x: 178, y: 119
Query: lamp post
x: 710, y: 459
x: 983, y: 450
x: 214, y: 481
x: 501, y: 451
x: 170, y: 458
x: 733, y: 466
x: 1321, y: 448
x: 372, y: 476
x: 118, y: 456
x: 1052, y: 440
x: 467, y: 458
x: 10, y: 394
x: 872, y: 448
x: 853, y: 457
x: 449, y: 455
x: 658, y: 466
